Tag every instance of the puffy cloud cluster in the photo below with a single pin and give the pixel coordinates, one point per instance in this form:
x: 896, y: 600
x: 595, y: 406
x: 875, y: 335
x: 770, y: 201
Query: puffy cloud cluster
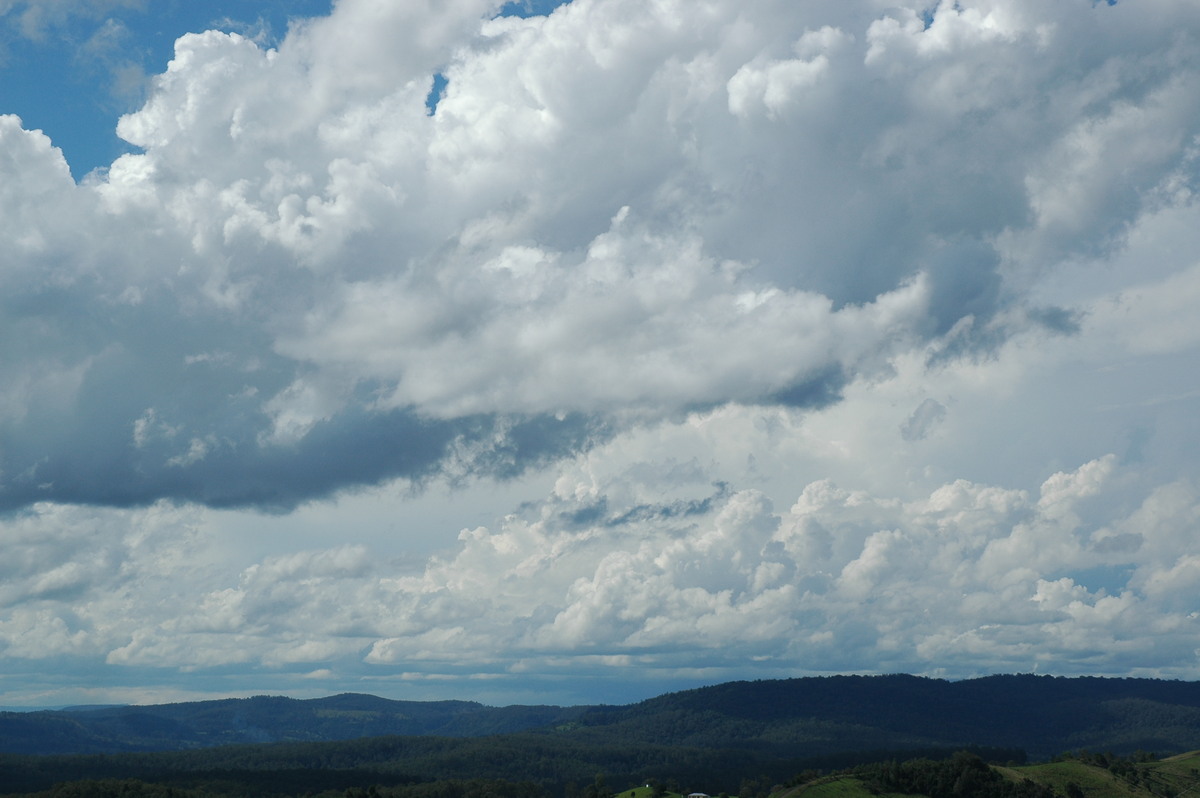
x: 712, y: 583
x: 72, y: 576
x: 617, y: 211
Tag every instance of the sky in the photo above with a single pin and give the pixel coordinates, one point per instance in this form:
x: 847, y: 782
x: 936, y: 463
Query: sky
x: 576, y: 353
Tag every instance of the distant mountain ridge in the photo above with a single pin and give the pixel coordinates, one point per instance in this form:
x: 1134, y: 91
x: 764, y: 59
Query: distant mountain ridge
x: 792, y: 718
x: 261, y: 719
x: 1043, y: 715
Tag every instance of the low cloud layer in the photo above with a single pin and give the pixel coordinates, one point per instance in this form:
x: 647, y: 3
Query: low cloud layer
x: 824, y: 336
x: 595, y: 579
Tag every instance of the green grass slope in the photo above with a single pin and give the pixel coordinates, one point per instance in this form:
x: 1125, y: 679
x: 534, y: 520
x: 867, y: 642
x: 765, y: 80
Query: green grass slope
x: 1093, y: 781
x: 1084, y: 775
x: 837, y: 787
x: 1105, y: 776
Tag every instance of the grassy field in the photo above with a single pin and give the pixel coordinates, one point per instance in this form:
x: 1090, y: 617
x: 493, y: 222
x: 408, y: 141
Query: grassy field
x: 836, y: 787
x: 1174, y: 777
x: 1184, y: 768
x: 833, y: 788
x: 1096, y: 782
x: 647, y: 792
x: 1180, y: 774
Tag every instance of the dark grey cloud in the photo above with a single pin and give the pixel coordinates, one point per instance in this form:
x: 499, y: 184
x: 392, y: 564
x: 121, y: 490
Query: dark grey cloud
x: 665, y: 512
x: 157, y: 402
x: 96, y: 462
x: 814, y: 392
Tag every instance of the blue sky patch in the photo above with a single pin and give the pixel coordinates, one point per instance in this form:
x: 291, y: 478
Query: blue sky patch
x: 530, y: 8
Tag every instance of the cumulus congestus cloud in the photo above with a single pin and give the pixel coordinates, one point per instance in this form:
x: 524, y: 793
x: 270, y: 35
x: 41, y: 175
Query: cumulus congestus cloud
x: 614, y: 212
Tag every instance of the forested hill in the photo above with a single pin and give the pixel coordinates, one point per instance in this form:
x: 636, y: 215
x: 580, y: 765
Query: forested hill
x: 1044, y: 715
x: 793, y: 718
x: 262, y: 719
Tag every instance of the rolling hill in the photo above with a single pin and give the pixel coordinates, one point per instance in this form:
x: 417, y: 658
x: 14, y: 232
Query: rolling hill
x: 807, y: 717
x: 739, y: 737
x: 262, y: 719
